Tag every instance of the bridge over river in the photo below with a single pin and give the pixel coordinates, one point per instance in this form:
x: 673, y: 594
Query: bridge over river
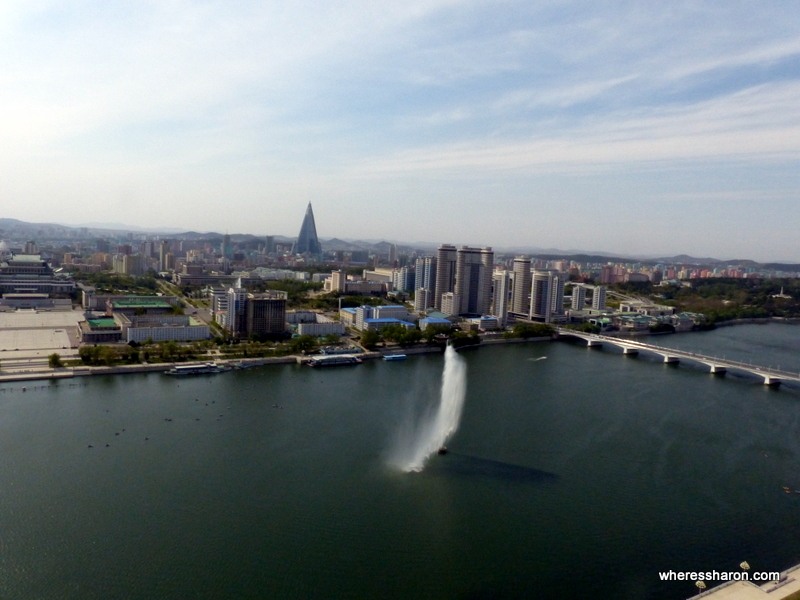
x: 718, y: 366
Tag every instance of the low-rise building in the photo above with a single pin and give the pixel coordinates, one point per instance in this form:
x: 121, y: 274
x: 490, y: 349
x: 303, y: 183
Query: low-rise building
x: 31, y: 274
x: 162, y: 328
x: 430, y: 321
x: 100, y: 330
x: 486, y: 323
x: 320, y: 327
x: 377, y: 313
x: 91, y: 300
x: 35, y: 301
x: 380, y: 323
x: 347, y: 317
x: 140, y: 305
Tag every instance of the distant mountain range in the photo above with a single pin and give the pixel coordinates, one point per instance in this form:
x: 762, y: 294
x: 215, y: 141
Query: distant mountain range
x: 16, y: 230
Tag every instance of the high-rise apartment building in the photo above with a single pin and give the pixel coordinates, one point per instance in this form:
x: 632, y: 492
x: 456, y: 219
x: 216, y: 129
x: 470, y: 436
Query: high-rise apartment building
x: 578, y: 297
x: 445, y: 273
x: 163, y: 250
x: 424, y: 282
x: 466, y: 275
x: 266, y: 314
x: 226, y: 250
x: 403, y: 279
x: 521, y: 292
x: 449, y: 303
x: 547, y: 295
x: 236, y: 318
x: 473, y: 285
x: 132, y: 264
x: 607, y: 274
x: 338, y: 281
x: 423, y: 299
x: 501, y: 295
x: 425, y: 272
x: 250, y: 314
x: 599, y: 298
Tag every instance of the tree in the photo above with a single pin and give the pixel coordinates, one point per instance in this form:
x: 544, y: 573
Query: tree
x: 459, y: 339
x: 401, y: 334
x: 529, y: 330
x: 54, y: 360
x: 303, y: 344
x: 332, y: 338
x: 370, y: 339
x: 431, y: 331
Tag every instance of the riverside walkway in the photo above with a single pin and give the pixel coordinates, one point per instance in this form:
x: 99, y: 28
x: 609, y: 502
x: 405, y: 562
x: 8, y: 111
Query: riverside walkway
x: 718, y: 366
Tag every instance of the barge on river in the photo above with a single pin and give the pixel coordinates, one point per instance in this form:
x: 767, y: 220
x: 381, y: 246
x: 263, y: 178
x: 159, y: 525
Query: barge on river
x: 334, y: 360
x: 208, y: 368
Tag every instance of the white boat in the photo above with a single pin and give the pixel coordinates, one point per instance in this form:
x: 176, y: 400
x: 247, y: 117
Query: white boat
x: 209, y: 368
x: 333, y: 360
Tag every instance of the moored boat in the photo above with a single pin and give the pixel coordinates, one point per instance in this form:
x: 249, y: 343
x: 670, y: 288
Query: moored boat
x: 334, y: 360
x: 208, y: 368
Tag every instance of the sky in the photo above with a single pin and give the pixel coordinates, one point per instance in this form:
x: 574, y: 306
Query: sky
x: 638, y: 128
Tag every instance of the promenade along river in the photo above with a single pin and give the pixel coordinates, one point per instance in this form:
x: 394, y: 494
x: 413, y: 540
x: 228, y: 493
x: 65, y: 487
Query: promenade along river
x: 575, y: 473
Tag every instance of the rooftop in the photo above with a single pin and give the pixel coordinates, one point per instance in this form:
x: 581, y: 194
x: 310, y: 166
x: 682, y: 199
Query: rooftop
x: 141, y: 303
x: 25, y: 258
x: 103, y: 323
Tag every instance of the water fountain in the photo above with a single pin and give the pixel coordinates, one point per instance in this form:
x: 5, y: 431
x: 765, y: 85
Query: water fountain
x: 432, y: 433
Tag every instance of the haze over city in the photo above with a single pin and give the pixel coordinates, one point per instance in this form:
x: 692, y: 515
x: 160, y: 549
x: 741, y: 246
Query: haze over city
x: 643, y: 128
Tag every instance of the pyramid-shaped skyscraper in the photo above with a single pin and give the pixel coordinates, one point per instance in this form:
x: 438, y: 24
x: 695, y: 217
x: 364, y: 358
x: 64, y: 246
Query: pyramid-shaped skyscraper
x: 307, y: 242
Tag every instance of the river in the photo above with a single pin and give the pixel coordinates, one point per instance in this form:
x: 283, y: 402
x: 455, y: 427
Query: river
x: 574, y: 473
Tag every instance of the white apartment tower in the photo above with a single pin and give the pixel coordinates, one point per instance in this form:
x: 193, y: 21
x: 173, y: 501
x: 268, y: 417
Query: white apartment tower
x: 501, y: 295
x: 338, y: 281
x: 236, y: 319
x: 163, y: 252
x: 424, y: 282
x: 520, y: 299
x: 599, y: 298
x: 423, y: 299
x: 425, y: 273
x: 578, y: 297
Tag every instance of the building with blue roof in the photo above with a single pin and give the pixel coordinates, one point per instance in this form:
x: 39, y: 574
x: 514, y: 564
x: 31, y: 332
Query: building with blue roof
x: 378, y: 324
x: 428, y: 321
x: 392, y: 311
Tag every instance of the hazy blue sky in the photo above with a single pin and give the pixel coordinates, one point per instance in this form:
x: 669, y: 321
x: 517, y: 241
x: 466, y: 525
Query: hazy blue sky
x: 630, y: 127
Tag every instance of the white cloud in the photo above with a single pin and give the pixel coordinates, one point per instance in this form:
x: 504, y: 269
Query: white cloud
x: 357, y: 101
x: 758, y: 124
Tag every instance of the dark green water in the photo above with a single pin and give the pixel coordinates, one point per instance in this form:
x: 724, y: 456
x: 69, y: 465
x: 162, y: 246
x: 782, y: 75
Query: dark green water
x: 580, y: 475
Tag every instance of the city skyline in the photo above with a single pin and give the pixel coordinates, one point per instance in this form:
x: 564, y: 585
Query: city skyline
x: 644, y: 130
